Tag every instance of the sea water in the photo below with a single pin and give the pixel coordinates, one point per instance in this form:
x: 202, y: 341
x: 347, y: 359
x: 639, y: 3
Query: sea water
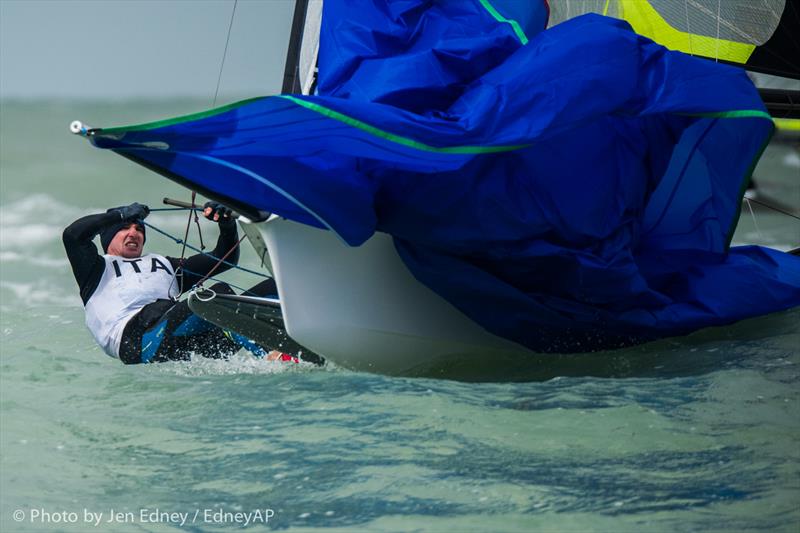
x: 694, y: 434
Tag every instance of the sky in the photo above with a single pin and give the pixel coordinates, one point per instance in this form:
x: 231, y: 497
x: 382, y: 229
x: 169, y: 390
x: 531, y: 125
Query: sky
x: 124, y: 49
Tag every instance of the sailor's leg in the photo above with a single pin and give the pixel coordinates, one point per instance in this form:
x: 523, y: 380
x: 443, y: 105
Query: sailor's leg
x: 169, y: 331
x: 143, y: 333
x: 186, y: 333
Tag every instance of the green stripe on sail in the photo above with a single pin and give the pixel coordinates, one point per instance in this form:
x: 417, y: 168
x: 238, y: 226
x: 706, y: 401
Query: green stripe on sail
x: 743, y: 113
x: 500, y: 18
x: 179, y: 120
x: 405, y: 141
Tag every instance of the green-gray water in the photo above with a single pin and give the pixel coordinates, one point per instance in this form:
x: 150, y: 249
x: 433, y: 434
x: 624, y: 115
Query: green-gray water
x: 692, y: 434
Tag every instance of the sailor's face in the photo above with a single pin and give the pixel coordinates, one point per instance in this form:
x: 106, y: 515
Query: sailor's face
x: 128, y: 242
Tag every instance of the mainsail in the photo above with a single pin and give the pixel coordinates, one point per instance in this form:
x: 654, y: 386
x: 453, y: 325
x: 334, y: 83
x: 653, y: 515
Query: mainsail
x: 761, y: 35
x: 571, y: 189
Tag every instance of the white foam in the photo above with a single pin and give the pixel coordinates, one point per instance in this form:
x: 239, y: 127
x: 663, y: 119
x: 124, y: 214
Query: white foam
x: 25, y: 236
x: 47, y: 262
x: 39, y: 293
x: 49, y: 210
x: 239, y: 364
x: 42, y: 207
x: 39, y: 220
x: 33, y: 221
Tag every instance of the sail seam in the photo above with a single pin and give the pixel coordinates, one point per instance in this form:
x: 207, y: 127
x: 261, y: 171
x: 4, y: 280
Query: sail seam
x: 405, y: 141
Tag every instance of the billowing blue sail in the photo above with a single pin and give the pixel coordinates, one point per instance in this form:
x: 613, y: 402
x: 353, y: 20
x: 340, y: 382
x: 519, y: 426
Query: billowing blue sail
x: 571, y: 189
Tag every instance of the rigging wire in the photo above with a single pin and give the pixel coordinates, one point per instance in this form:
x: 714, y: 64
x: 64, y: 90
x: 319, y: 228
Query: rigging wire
x: 224, y: 53
x: 224, y: 257
x: 768, y: 206
x: 212, y: 278
x: 183, y: 249
x: 198, y: 250
x: 752, y: 214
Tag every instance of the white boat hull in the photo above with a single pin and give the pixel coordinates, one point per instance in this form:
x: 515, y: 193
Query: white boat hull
x: 362, y: 309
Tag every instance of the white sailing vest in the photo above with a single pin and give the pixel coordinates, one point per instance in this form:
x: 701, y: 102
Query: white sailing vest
x: 127, y: 285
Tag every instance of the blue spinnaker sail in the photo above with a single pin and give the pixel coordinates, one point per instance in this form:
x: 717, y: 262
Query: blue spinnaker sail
x: 571, y: 189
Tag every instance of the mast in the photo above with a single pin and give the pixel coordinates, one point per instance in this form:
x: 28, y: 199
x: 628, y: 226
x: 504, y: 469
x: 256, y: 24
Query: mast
x: 291, y: 72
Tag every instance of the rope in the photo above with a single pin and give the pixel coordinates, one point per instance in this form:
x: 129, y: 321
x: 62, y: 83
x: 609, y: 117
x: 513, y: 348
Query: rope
x: 215, y: 267
x: 197, y: 223
x: 768, y: 206
x: 241, y: 289
x: 203, y: 299
x: 752, y: 214
x: 194, y: 248
x: 224, y: 53
x: 183, y: 249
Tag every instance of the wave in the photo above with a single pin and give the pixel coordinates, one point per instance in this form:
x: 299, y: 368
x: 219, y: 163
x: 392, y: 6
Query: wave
x: 51, y: 216
x: 39, y: 292
x: 47, y: 262
x: 25, y: 236
x: 41, y: 207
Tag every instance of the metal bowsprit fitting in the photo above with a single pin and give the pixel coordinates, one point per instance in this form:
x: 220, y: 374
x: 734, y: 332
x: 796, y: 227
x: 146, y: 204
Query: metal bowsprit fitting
x: 79, y: 128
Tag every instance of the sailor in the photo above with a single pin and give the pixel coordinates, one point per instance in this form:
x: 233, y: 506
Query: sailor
x: 130, y: 297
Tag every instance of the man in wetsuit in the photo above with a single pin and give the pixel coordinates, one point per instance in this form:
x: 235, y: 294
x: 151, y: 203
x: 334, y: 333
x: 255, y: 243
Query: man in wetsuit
x: 130, y: 298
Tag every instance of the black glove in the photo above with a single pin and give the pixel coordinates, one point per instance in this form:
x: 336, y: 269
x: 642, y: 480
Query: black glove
x: 224, y: 215
x: 135, y: 211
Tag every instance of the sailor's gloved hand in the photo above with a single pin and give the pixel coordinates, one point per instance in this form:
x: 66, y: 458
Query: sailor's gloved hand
x: 135, y: 211
x: 218, y: 213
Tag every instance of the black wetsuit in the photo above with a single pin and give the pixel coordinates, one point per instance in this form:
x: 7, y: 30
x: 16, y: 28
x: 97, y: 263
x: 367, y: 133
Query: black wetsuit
x: 164, y: 329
